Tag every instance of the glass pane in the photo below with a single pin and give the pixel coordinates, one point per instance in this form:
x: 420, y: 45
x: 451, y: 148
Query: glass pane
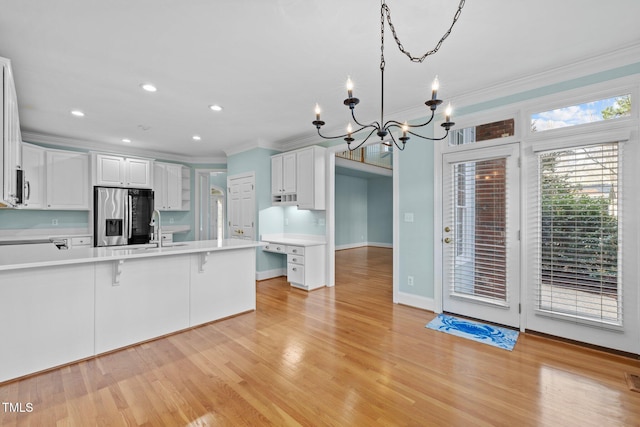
x: 579, y: 232
x: 484, y: 132
x: 480, y: 219
x: 604, y: 109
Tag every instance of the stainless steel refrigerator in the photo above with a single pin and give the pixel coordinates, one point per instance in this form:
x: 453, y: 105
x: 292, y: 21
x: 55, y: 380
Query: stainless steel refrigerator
x: 121, y: 216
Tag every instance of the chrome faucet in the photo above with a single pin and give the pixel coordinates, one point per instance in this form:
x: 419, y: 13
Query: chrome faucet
x: 156, y: 236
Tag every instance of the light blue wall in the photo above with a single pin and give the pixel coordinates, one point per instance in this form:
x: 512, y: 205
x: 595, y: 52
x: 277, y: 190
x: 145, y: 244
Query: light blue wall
x: 380, y: 210
x: 363, y: 210
x: 416, y: 241
x: 351, y: 210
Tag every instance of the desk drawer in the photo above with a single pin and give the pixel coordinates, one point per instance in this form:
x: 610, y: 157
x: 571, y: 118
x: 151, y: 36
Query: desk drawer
x: 274, y: 247
x: 295, y: 259
x: 295, y: 250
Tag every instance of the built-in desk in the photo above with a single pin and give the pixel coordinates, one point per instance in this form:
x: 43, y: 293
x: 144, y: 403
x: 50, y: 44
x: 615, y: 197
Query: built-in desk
x: 305, y: 258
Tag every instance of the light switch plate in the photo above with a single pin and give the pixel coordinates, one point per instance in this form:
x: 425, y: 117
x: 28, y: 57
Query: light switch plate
x: 408, y: 217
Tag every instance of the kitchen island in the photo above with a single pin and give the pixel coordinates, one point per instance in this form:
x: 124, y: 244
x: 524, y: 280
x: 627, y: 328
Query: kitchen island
x: 60, y: 306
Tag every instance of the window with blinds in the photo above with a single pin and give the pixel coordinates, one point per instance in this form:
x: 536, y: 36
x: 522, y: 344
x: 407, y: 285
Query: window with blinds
x: 479, y: 215
x: 578, y: 259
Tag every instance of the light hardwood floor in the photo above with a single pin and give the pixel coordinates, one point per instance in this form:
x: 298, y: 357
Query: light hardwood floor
x: 343, y: 356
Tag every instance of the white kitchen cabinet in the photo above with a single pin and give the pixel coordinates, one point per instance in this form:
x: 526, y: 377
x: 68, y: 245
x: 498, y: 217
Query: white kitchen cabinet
x: 298, y: 178
x: 310, y: 177
x: 67, y: 185
x: 11, y: 139
x: 55, y: 179
x: 117, y: 171
x: 33, y: 164
x: 167, y: 185
x: 283, y: 175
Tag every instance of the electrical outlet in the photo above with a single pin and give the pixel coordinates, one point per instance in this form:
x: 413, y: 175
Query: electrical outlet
x: 54, y: 221
x: 410, y: 280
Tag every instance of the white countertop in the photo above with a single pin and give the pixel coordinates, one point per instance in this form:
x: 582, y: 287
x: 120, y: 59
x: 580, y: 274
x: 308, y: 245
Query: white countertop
x: 46, y: 254
x: 294, y: 239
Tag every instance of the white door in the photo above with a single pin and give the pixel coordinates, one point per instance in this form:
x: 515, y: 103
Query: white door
x: 480, y: 246
x: 242, y: 205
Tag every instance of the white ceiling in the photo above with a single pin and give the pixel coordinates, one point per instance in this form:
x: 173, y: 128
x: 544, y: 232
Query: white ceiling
x: 267, y: 62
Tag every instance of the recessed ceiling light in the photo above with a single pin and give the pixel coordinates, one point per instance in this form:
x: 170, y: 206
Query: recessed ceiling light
x: 215, y: 107
x: 77, y: 113
x: 148, y: 87
x: 196, y: 137
x: 127, y: 140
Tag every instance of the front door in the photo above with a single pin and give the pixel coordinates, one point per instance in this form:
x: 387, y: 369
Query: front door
x: 480, y: 234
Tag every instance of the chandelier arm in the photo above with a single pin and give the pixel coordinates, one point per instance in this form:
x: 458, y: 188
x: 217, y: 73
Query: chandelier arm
x: 363, y: 141
x: 346, y: 134
x: 400, y: 148
x: 429, y: 139
x: 373, y: 124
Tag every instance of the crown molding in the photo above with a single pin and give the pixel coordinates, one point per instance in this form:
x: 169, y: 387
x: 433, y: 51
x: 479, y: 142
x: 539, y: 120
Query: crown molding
x: 250, y: 145
x: 626, y: 55
x: 86, y: 145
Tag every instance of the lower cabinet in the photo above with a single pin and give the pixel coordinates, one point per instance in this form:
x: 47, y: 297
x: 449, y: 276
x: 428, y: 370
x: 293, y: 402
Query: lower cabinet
x: 305, y: 266
x: 150, y: 300
x: 47, y: 318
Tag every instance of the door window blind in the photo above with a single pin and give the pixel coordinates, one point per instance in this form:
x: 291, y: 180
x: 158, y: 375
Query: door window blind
x: 479, y: 217
x: 578, y: 260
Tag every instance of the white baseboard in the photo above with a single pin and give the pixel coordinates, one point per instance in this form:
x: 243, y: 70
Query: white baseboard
x: 363, y: 244
x: 270, y: 274
x: 415, y: 301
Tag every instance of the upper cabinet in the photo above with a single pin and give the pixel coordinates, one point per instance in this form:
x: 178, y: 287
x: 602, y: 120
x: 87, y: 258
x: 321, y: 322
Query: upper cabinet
x: 55, y: 179
x: 298, y: 178
x: 171, y: 188
x: 283, y: 174
x: 117, y: 171
x: 10, y: 154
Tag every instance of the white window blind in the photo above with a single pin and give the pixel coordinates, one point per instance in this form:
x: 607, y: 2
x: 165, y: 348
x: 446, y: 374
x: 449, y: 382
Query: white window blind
x: 578, y: 239
x: 479, y: 213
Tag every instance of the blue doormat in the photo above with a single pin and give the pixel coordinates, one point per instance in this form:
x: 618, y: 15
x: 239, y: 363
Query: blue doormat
x: 476, y: 331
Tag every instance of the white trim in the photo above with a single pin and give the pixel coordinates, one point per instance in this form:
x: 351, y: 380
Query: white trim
x: 364, y: 245
x: 250, y: 145
x: 270, y: 274
x: 396, y: 228
x: 363, y: 167
x: 415, y: 301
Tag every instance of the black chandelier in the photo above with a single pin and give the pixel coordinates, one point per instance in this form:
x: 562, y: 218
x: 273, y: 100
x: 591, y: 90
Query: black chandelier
x: 382, y: 128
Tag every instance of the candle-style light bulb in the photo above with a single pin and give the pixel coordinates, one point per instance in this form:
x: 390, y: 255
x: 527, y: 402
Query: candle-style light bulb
x: 349, y: 130
x: 405, y: 128
x: 434, y: 88
x: 447, y: 113
x: 349, y: 87
x: 318, y: 111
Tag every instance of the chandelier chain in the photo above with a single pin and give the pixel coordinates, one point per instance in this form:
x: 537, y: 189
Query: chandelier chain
x: 385, y: 10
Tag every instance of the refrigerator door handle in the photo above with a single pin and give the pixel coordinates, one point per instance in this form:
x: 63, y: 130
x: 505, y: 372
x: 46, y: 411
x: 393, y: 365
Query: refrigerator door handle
x: 130, y: 216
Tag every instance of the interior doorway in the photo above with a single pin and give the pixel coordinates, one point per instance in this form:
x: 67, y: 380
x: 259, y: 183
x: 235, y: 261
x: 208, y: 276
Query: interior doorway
x: 210, y: 204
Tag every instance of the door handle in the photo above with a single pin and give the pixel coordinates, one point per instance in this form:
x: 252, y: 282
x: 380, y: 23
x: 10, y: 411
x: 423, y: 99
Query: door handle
x: 447, y: 229
x: 447, y: 240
